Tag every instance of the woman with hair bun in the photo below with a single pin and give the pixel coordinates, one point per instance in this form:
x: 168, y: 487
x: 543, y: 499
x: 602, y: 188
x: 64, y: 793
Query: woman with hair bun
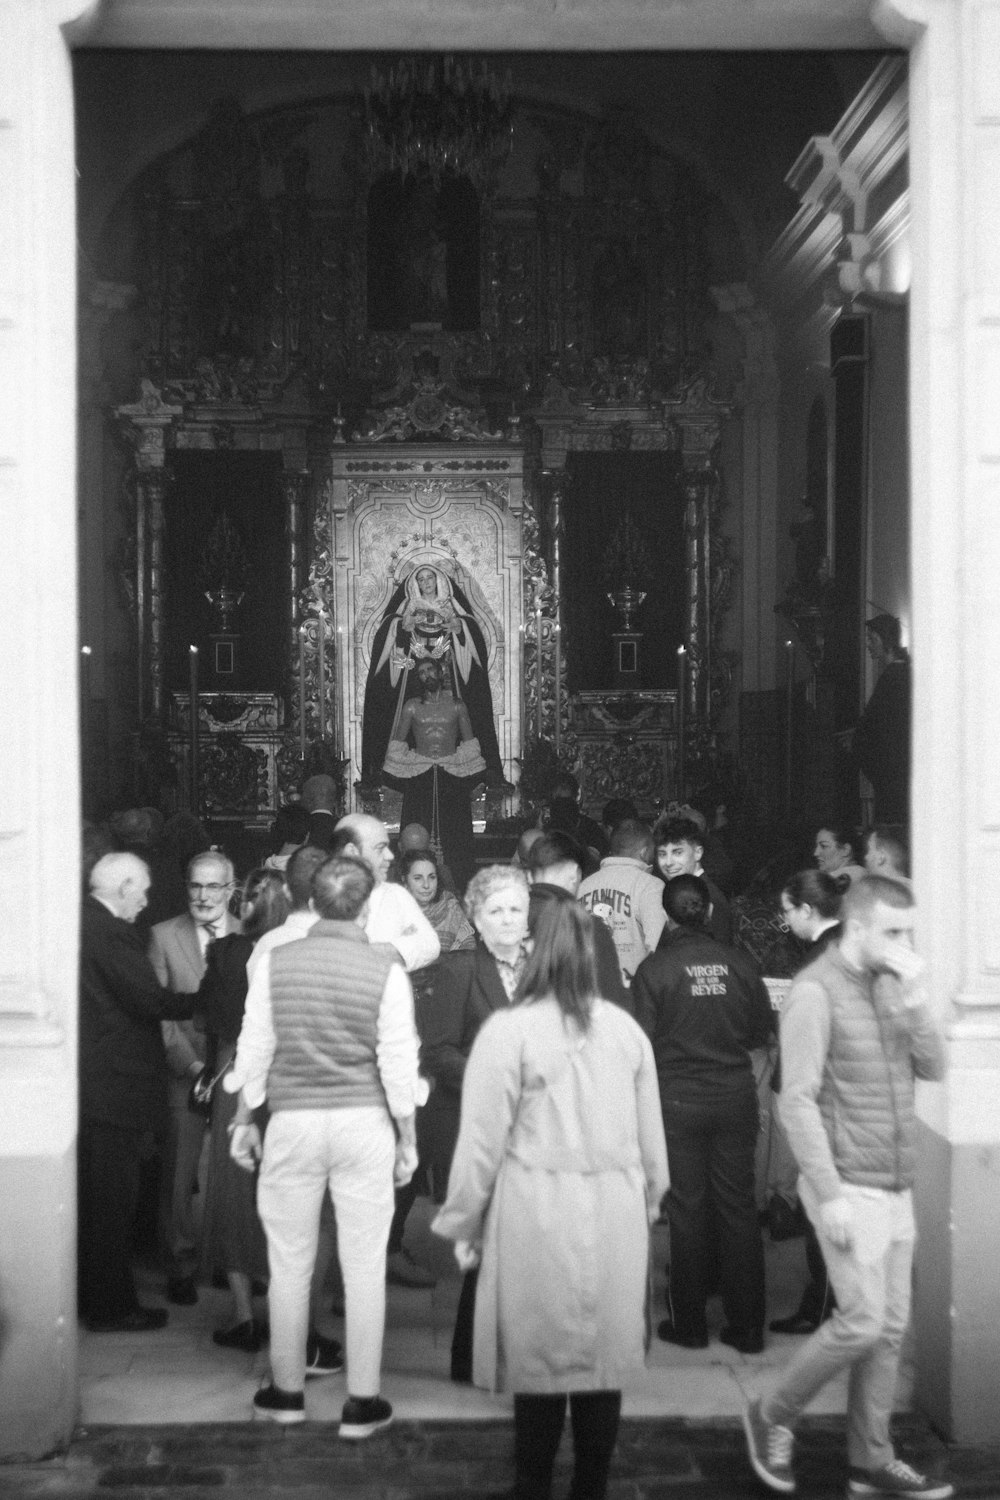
x: 810, y: 904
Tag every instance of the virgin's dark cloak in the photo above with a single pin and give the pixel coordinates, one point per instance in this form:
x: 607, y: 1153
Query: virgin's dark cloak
x: 383, y: 702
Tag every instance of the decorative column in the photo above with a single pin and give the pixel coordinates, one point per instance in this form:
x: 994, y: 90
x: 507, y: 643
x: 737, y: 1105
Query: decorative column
x: 145, y: 425
x: 756, y: 399
x: 293, y: 489
x: 557, y: 481
x: 697, y: 416
x: 151, y: 485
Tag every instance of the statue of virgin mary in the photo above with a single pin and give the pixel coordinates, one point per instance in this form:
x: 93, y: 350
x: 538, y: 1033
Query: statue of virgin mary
x: 428, y: 617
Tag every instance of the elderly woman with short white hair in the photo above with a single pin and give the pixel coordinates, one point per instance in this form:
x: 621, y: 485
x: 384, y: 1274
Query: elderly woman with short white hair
x: 470, y: 985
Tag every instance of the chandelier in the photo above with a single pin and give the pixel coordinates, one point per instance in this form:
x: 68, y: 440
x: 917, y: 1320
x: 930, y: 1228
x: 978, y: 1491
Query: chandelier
x: 432, y: 116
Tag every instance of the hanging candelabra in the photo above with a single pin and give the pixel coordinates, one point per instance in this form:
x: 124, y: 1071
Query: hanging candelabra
x: 438, y: 115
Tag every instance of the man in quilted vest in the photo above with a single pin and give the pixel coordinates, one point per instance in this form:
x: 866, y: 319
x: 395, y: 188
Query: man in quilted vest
x: 340, y: 1066
x: 855, y: 1033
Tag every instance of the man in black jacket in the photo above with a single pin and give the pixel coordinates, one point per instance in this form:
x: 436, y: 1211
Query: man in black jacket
x: 704, y: 1006
x: 123, y: 1088
x: 555, y: 867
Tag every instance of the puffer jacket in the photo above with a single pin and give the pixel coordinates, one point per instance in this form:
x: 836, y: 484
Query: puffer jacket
x: 850, y: 1052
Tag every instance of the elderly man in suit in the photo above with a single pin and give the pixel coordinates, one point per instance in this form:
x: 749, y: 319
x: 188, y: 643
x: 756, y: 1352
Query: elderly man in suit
x: 123, y: 1088
x: 177, y: 950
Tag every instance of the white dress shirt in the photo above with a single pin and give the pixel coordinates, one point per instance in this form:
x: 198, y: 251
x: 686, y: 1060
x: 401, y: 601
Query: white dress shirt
x: 394, y: 917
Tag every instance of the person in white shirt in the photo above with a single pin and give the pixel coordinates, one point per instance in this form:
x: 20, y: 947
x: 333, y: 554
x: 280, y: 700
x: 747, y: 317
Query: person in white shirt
x: 627, y: 896
x: 393, y: 915
x: 340, y: 1077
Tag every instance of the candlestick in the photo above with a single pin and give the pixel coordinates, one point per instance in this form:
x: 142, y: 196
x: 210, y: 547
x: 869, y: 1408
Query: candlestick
x: 538, y: 668
x: 340, y: 667
x: 681, y: 694
x: 302, y: 691
x: 193, y: 697
x: 84, y: 707
x: 789, y: 706
x: 557, y: 668
x: 321, y: 672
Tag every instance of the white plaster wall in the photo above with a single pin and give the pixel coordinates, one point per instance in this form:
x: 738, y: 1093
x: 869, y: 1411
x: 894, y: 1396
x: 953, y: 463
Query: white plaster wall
x: 39, y: 837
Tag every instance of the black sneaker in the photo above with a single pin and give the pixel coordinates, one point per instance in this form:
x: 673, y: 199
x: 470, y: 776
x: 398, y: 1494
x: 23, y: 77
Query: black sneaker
x: 275, y: 1405
x: 898, y: 1478
x: 769, y: 1448
x: 323, y: 1356
x: 362, y: 1416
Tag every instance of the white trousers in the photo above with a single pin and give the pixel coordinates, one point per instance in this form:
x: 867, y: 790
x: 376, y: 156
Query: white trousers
x: 351, y: 1152
x: 865, y: 1333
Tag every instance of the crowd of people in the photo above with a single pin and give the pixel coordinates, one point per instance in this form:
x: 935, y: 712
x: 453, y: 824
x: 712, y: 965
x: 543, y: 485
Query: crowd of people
x: 577, y: 1045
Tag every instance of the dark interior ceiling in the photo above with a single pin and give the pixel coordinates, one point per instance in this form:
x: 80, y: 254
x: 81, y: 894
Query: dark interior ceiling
x: 741, y: 118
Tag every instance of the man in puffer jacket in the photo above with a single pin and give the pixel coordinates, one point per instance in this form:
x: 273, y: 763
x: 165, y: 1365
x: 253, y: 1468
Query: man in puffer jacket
x: 855, y: 1033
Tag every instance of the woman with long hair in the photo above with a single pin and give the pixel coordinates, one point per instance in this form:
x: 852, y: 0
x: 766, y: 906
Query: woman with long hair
x: 232, y: 1238
x: 419, y: 873
x: 560, y: 1167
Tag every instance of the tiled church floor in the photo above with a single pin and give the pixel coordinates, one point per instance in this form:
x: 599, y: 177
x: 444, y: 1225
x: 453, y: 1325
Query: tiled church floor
x: 166, y: 1417
x: 179, y: 1375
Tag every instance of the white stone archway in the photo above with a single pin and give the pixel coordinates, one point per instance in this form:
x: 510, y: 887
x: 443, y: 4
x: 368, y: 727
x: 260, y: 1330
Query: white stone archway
x: 955, y: 450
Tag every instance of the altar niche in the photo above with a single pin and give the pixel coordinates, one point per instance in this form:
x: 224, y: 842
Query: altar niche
x: 454, y: 507
x: 601, y: 488
x: 224, y: 528
x: 423, y: 255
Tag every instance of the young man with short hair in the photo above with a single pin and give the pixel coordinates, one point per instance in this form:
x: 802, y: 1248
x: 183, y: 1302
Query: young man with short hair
x: 856, y: 1031
x: 679, y: 850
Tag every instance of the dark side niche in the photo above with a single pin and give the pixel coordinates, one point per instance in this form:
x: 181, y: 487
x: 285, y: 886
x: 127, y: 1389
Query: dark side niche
x: 602, y: 488
x: 245, y: 490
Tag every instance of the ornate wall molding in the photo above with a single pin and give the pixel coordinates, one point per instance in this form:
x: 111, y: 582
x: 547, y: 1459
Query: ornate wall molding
x: 849, y: 240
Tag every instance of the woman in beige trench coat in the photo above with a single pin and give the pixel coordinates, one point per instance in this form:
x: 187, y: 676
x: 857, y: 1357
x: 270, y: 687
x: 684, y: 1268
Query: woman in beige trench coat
x: 559, y: 1170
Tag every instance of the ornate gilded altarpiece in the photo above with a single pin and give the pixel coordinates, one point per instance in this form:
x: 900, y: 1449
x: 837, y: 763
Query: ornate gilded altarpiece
x: 390, y: 505
x: 251, y: 270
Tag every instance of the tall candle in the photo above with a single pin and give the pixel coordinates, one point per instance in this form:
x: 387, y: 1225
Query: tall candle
x: 193, y: 694
x: 521, y: 665
x: 340, y: 670
x: 789, y: 705
x: 84, y: 706
x: 538, y: 667
x: 681, y: 707
x: 557, y: 668
x: 302, y: 691
x: 321, y: 672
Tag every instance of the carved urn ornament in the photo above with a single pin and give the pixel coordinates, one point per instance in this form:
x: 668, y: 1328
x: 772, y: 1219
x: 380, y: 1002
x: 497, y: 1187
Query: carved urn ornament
x: 224, y: 571
x: 626, y: 601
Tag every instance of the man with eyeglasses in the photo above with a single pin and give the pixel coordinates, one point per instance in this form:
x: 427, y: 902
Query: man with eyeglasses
x: 177, y: 949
